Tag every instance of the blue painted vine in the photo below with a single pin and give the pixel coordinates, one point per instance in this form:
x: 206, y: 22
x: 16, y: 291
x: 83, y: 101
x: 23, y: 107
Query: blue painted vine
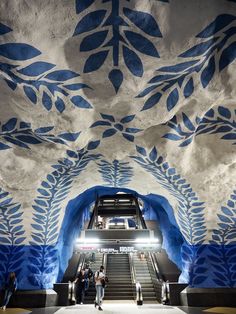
x: 12, y: 235
x: 116, y: 173
x: 41, y: 81
x: 111, y: 31
x: 214, y: 52
x: 190, y: 209
x: 20, y: 133
x: 114, y: 126
x: 46, y: 212
x: 220, y: 120
x: 222, y: 252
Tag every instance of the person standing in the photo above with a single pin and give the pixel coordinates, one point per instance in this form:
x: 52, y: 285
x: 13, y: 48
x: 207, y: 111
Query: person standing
x: 11, y: 287
x: 80, y: 287
x: 88, y: 275
x: 99, y: 278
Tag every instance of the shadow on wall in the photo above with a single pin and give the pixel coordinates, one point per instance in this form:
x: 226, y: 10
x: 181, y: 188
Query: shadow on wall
x: 156, y: 208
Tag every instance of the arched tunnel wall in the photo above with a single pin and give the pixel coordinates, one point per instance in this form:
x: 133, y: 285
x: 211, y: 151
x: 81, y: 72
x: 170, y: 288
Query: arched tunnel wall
x: 45, y: 264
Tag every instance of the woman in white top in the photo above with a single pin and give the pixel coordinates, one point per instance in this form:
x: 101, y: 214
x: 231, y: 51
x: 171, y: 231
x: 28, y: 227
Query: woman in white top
x: 99, y: 278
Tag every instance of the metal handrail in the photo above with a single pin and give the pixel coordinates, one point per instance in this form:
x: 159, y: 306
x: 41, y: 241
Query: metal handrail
x: 104, y: 262
x: 72, y: 285
x: 154, y: 265
x: 139, y: 294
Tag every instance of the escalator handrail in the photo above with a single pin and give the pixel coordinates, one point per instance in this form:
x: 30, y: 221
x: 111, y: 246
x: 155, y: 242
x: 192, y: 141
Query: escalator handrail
x: 138, y: 287
x: 132, y: 269
x: 104, y: 262
x: 155, y: 266
x: 72, y: 285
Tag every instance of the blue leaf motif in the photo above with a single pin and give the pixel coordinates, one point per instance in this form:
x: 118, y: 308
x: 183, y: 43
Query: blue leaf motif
x: 93, y: 41
x: 18, y: 51
x: 82, y: 5
x: 116, y: 78
x: 141, y: 44
x: 133, y: 62
x: 4, y: 146
x: 80, y: 102
x: 152, y: 101
x: 44, y: 130
x: 4, y: 29
x: 132, y: 130
x: 208, y: 72
x: 60, y: 105
x: 61, y: 75
x: 141, y: 150
x: 11, y: 84
x: 173, y: 137
x: 9, y: 125
x: 199, y: 279
x: 153, y: 154
x: 229, y: 136
x: 219, y: 23
x: 107, y: 117
x: 188, y: 123
x: 224, y: 112
x: 188, y: 88
x: 30, y: 93
x: 127, y: 119
x: 128, y: 137
x: 28, y: 139
x: 228, y: 55
x: 146, y: 91
x: 108, y: 133
x: 69, y: 136
x: 47, y: 102
x: 199, y: 49
x: 186, y: 142
x: 93, y: 145
x: 224, y: 218
x: 89, y: 22
x: 144, y: 21
x: 95, y: 61
x: 172, y: 99
x: 36, y: 68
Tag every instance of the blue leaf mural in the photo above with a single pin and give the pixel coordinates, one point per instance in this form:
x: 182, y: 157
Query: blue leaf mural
x: 12, y: 236
x: 20, y: 133
x: 115, y: 174
x: 99, y: 23
x: 208, y: 57
x: 113, y: 126
x: 40, y: 81
x: 223, y: 252
x: 218, y: 120
x: 46, y: 212
x: 190, y: 209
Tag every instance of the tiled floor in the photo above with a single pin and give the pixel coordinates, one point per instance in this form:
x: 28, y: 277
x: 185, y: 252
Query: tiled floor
x: 119, y: 308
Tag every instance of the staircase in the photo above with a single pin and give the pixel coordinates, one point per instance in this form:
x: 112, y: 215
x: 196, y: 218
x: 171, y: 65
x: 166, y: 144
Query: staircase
x: 118, y: 272
x: 143, y: 276
x: 91, y: 293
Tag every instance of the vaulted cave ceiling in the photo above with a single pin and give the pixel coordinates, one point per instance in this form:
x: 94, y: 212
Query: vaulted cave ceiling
x: 131, y: 93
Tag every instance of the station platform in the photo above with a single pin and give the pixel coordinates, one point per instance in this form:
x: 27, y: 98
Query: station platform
x: 122, y: 308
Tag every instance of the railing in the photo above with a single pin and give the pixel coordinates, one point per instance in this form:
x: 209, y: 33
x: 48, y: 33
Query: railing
x: 138, y: 295
x: 104, y: 262
x: 154, y: 265
x: 72, y: 285
x: 155, y: 275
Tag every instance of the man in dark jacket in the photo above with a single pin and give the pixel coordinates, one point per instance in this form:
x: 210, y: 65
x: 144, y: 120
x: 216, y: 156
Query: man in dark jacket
x: 11, y: 287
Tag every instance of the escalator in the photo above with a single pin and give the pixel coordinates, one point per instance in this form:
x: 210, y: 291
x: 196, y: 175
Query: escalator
x: 118, y: 272
x: 129, y: 247
x: 144, y: 277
